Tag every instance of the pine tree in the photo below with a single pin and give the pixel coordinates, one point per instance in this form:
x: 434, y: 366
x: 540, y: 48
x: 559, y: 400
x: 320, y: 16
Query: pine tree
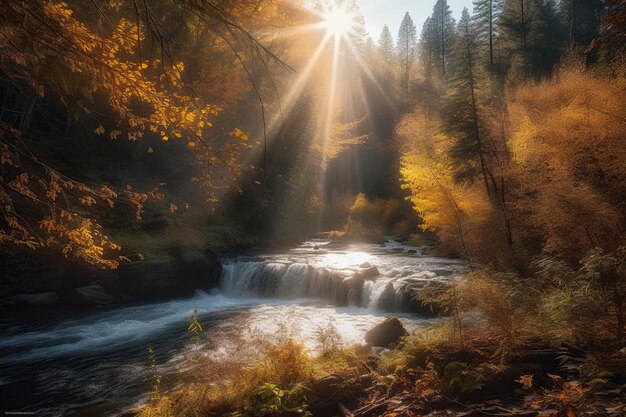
x: 486, y: 14
x: 407, y: 46
x: 386, y: 50
x: 582, y: 18
x: 532, y: 35
x: 427, y: 48
x: 472, y: 151
x: 516, y: 19
x: 461, y: 115
x: 443, y: 28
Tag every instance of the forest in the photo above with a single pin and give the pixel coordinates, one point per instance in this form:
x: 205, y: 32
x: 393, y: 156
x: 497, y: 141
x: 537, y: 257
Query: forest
x: 254, y: 208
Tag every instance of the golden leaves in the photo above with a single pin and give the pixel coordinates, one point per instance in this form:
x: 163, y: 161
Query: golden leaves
x: 238, y: 133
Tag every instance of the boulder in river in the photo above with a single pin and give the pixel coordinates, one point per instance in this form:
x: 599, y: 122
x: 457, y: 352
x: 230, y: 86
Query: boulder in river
x: 149, y: 280
x: 370, y: 273
x: 199, y: 271
x: 386, y: 334
x: 354, y: 287
x: 93, y: 295
x: 365, y: 265
x: 39, y: 299
x: 387, y: 299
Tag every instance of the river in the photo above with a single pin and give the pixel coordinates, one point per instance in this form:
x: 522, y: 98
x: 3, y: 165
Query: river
x: 98, y: 364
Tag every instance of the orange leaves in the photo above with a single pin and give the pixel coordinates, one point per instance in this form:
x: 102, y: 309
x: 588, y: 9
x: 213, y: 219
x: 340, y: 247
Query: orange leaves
x: 238, y: 133
x: 87, y: 201
x: 526, y: 381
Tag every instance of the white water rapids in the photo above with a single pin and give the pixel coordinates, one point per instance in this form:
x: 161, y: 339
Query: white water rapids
x: 97, y: 364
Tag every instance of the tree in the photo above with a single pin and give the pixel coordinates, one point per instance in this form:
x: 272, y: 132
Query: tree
x: 532, y: 35
x: 427, y: 48
x: 386, y: 52
x: 486, y: 14
x: 461, y: 111
x: 582, y: 18
x: 407, y: 48
x: 443, y: 28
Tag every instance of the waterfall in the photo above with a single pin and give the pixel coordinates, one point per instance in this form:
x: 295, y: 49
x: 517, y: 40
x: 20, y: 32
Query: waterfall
x: 392, y: 291
x: 280, y: 280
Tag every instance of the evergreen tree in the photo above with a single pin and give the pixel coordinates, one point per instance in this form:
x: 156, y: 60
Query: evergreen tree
x: 407, y: 48
x: 443, y: 29
x: 547, y: 39
x: 582, y: 18
x: 486, y: 14
x: 385, y: 50
x: 516, y: 22
x: 532, y: 35
x: 427, y: 48
x: 461, y: 115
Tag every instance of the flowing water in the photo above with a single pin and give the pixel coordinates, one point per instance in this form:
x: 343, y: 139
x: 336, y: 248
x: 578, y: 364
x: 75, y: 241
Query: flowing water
x: 98, y: 364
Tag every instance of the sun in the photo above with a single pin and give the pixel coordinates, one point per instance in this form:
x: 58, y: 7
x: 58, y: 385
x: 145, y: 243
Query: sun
x: 338, y: 21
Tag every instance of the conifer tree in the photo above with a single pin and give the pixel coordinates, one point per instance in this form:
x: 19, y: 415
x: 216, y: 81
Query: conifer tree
x: 407, y: 49
x: 461, y: 115
x: 427, y: 48
x: 443, y: 30
x: 386, y: 51
x: 582, y: 18
x: 486, y: 14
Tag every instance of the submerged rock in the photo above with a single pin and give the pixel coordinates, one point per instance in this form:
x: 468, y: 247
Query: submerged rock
x: 40, y: 299
x: 386, y: 334
x: 91, y: 295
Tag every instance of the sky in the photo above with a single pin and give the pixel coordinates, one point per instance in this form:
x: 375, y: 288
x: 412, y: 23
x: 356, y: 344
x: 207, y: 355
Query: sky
x: 377, y: 13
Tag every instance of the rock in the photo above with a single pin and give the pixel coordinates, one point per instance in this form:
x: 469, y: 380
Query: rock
x: 79, y: 275
x: 199, y: 271
x: 326, y: 396
x: 164, y: 278
x: 328, y: 388
x: 365, y: 265
x: 94, y: 295
x: 40, y: 299
x: 150, y: 280
x: 354, y: 286
x: 386, y: 334
x: 423, y: 298
x: 387, y: 300
x: 412, y: 251
x: 370, y: 273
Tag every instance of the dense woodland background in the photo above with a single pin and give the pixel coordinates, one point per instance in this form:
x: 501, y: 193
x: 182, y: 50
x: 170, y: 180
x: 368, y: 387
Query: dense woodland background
x: 131, y: 129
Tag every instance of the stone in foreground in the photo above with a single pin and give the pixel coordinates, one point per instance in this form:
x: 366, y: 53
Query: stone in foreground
x: 386, y: 334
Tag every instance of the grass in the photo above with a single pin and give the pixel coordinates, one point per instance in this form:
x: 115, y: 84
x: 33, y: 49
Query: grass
x: 284, y: 372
